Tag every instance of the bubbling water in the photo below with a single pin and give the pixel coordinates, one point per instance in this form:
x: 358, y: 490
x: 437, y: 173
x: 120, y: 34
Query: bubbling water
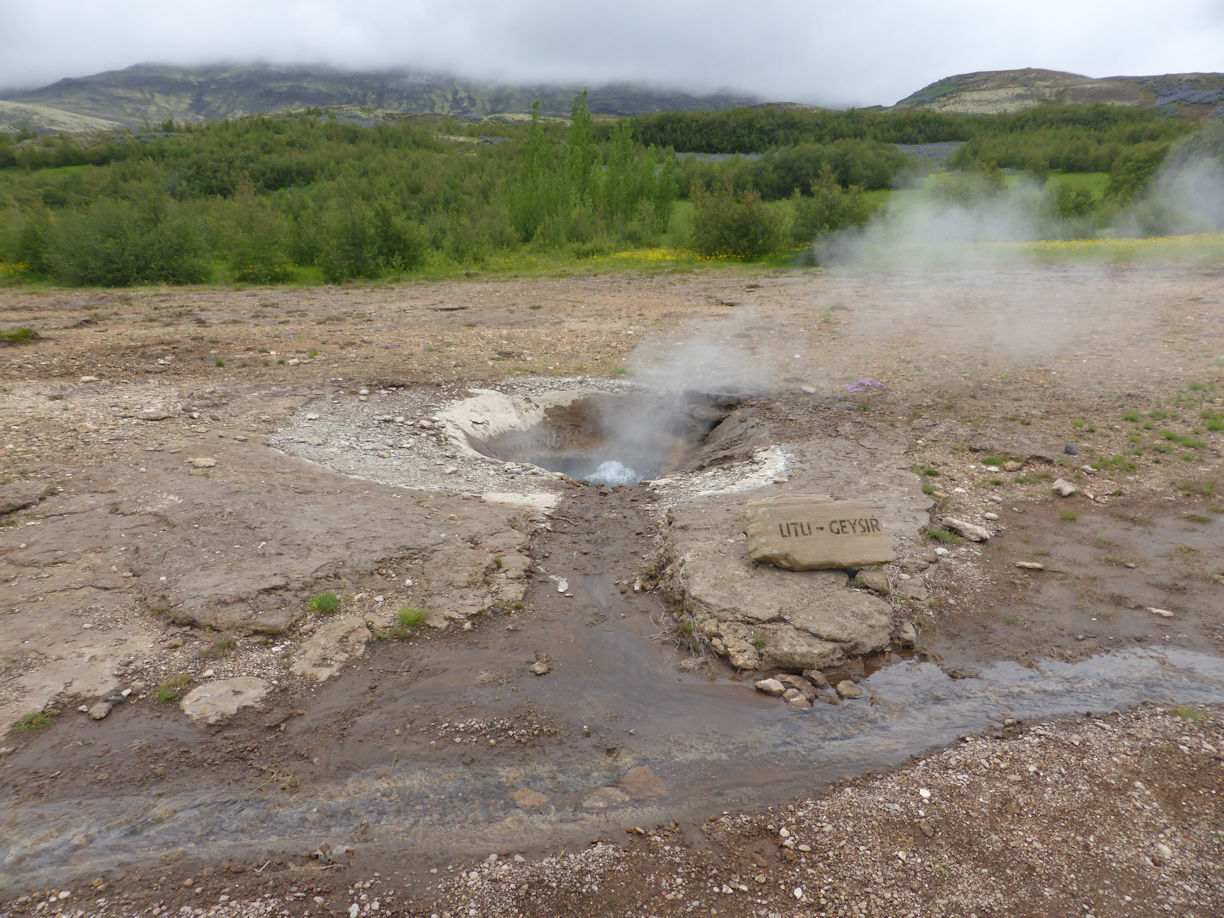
x: 613, y: 473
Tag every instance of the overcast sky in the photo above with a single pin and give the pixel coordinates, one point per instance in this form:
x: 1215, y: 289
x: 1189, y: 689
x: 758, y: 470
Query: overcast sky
x: 833, y: 52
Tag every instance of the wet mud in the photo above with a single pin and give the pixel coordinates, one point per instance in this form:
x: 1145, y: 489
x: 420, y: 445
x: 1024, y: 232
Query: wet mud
x: 453, y: 747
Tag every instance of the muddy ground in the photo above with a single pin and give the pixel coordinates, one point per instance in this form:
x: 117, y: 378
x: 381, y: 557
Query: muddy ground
x: 570, y: 727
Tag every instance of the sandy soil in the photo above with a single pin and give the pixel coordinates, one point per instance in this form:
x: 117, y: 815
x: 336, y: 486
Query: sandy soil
x: 184, y: 469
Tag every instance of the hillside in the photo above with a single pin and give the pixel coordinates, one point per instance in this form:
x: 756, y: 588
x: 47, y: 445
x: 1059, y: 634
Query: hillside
x: 151, y: 94
x: 1193, y: 96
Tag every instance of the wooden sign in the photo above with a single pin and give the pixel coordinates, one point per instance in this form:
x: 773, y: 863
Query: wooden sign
x: 808, y: 534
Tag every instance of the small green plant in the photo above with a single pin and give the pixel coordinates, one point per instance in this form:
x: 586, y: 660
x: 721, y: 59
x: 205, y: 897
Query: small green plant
x: 407, y: 620
x: 498, y: 562
x: 312, y: 353
x: 996, y: 461
x: 324, y: 603
x: 929, y: 471
x: 33, y: 721
x: 1068, y: 515
x: 1132, y: 416
x: 1188, y: 712
x: 411, y: 616
x: 1116, y: 464
x: 218, y: 362
x: 933, y: 533
x: 171, y: 690
x: 758, y: 641
x: 1078, y: 424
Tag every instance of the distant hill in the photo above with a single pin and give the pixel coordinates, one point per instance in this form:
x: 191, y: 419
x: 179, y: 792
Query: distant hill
x: 151, y: 94
x: 1193, y: 96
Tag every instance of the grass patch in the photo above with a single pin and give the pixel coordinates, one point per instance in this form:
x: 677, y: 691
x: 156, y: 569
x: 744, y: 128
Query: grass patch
x: 19, y: 335
x: 1116, y: 464
x: 997, y: 461
x: 1204, y: 488
x: 1188, y: 712
x: 933, y: 533
x: 1186, y: 440
x: 411, y: 616
x: 35, y: 720
x: 1133, y: 416
x: 324, y: 603
x: 172, y: 690
x: 1068, y: 515
x: 408, y: 620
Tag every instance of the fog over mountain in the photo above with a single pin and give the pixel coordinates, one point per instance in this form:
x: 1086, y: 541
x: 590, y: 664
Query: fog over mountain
x: 818, y: 51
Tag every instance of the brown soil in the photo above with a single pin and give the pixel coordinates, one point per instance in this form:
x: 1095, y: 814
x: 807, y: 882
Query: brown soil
x: 408, y: 776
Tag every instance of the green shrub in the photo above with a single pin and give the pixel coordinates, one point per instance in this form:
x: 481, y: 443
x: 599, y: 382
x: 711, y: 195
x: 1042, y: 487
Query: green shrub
x: 117, y: 243
x: 734, y: 224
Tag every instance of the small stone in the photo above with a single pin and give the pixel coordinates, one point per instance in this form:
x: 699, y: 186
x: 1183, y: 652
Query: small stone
x: 817, y: 678
x: 970, y: 531
x: 99, y: 710
x: 642, y: 782
x: 1163, y: 851
x: 798, y: 684
x: 848, y: 689
x: 1063, y: 488
x: 1011, y: 465
x: 562, y: 586
x: 605, y: 797
x: 924, y: 793
x: 876, y: 581
x: 990, y: 515
x: 528, y: 799
x: 1030, y: 566
x: 541, y: 667
x: 905, y: 635
x: 927, y: 829
x: 1071, y: 449
x: 796, y: 699
x: 769, y: 687
x: 1163, y: 613
x: 202, y: 462
x: 293, y: 361
x: 89, y: 379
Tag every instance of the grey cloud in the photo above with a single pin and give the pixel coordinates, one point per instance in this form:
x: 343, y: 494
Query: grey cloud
x: 869, y: 52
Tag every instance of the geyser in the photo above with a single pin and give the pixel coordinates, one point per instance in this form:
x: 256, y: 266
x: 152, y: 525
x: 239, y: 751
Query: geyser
x: 611, y: 439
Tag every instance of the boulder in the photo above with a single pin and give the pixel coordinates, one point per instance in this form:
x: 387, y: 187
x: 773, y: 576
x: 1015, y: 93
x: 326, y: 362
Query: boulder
x: 213, y: 702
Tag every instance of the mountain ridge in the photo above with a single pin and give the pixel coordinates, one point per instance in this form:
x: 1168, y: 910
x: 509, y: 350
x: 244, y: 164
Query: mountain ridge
x: 1193, y: 96
x: 152, y: 93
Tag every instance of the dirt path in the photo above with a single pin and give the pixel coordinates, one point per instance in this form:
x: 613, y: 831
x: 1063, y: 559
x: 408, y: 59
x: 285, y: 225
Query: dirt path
x: 183, y: 470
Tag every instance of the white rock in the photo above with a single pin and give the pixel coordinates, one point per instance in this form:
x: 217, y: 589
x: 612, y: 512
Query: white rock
x: 213, y: 702
x: 970, y: 531
x: 1063, y: 488
x: 770, y: 687
x: 1163, y: 613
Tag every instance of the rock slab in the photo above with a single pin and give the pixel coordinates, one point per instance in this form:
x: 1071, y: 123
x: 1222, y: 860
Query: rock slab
x: 213, y: 702
x: 808, y: 534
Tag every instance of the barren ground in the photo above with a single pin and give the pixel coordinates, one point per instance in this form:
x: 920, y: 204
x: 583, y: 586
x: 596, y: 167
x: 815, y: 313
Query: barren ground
x: 183, y: 470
